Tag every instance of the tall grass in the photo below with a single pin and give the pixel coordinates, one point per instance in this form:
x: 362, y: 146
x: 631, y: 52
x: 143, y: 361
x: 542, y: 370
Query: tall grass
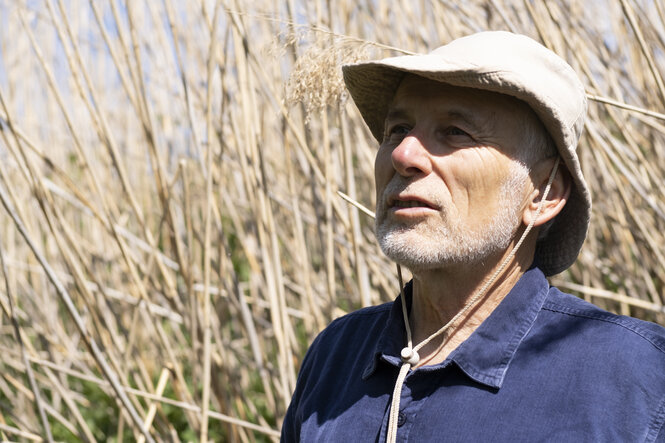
x: 173, y: 234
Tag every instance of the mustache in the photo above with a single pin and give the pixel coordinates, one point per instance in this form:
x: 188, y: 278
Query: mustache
x: 399, y: 185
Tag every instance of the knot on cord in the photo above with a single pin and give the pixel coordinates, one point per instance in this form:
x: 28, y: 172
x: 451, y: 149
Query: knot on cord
x: 410, y: 356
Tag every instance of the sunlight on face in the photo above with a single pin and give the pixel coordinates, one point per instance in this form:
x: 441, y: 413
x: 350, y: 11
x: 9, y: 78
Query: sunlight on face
x: 429, y: 245
x: 449, y: 189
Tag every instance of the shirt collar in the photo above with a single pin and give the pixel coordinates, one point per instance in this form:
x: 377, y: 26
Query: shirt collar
x: 392, y: 339
x: 486, y: 355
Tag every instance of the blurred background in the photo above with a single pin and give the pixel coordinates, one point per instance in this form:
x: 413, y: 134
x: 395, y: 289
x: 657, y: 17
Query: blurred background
x: 172, y: 232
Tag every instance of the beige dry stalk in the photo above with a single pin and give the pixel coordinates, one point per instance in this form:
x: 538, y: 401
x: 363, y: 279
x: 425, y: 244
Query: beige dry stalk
x: 194, y: 214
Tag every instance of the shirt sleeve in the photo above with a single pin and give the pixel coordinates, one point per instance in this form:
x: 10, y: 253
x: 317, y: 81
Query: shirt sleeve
x: 293, y: 418
x: 290, y: 432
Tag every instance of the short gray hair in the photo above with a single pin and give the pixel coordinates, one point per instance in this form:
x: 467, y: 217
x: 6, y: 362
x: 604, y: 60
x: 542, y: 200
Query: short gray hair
x: 537, y: 145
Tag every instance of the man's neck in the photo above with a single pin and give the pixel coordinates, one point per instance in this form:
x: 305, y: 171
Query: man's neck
x: 439, y: 294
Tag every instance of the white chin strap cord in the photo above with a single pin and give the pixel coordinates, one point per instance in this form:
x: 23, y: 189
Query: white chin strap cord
x: 410, y: 355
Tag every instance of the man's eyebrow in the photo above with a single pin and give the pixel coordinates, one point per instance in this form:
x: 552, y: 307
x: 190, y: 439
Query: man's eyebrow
x: 396, y: 114
x: 467, y: 117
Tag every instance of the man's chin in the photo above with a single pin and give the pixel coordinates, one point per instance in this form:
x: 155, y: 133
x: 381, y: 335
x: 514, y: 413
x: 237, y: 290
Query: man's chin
x: 419, y: 251
x: 413, y: 251
x: 419, y: 262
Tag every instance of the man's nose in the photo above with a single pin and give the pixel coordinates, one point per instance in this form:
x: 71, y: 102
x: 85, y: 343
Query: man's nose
x: 411, y: 157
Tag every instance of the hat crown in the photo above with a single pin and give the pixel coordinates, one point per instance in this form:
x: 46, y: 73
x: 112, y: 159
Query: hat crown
x: 528, y: 63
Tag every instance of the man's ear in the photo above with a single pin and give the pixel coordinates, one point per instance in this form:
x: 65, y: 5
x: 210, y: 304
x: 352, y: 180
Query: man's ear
x: 556, y: 197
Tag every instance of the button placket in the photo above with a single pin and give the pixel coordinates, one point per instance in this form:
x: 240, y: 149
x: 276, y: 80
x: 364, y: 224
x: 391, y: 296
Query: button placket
x: 409, y: 408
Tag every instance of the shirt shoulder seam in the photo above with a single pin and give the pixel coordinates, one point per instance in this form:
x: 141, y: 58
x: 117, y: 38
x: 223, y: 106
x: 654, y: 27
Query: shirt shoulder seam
x: 607, y: 317
x: 364, y: 312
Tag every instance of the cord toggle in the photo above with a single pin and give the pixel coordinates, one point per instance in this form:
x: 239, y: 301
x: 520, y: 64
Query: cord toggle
x: 410, y: 356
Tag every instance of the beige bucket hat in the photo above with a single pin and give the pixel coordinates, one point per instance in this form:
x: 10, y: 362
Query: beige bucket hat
x: 509, y: 64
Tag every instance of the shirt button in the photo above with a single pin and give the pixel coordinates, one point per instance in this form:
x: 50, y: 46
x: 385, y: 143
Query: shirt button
x: 401, y: 419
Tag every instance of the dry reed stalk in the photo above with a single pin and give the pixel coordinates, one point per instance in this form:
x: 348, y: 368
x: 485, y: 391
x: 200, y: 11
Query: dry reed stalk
x: 159, y: 390
x: 128, y: 165
x: 357, y: 240
x: 328, y: 216
x: 66, y: 113
x: 19, y: 338
x: 28, y: 394
x: 28, y: 368
x: 301, y: 248
x: 212, y: 59
x: 122, y: 397
x: 19, y: 433
x: 155, y: 397
x: 99, y: 118
x: 630, y: 15
x: 153, y: 141
x: 85, y: 433
x: 626, y: 106
x: 93, y: 179
x: 271, y: 274
x: 72, y: 310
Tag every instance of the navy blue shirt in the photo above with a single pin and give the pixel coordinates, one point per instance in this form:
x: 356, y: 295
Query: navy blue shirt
x: 544, y: 366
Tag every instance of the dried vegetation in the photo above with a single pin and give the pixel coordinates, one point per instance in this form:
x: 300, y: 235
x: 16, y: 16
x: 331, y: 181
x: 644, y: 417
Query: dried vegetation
x: 172, y: 235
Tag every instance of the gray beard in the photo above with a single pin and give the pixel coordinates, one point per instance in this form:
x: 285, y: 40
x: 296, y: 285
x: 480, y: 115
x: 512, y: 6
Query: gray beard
x: 449, y: 242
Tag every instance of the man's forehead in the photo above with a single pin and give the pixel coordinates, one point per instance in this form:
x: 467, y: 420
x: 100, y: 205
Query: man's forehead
x: 476, y: 108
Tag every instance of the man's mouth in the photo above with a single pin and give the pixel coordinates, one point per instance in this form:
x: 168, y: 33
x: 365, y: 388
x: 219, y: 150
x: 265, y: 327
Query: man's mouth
x: 397, y: 203
x: 409, y: 204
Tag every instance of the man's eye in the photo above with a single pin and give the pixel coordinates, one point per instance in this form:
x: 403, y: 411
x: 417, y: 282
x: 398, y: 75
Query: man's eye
x: 397, y: 132
x: 454, y: 130
x: 399, y: 129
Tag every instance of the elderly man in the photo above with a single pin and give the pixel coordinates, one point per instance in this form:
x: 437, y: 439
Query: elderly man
x: 480, y: 195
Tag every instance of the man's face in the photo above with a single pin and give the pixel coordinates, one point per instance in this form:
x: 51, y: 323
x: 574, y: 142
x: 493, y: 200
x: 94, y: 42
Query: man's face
x: 449, y: 190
